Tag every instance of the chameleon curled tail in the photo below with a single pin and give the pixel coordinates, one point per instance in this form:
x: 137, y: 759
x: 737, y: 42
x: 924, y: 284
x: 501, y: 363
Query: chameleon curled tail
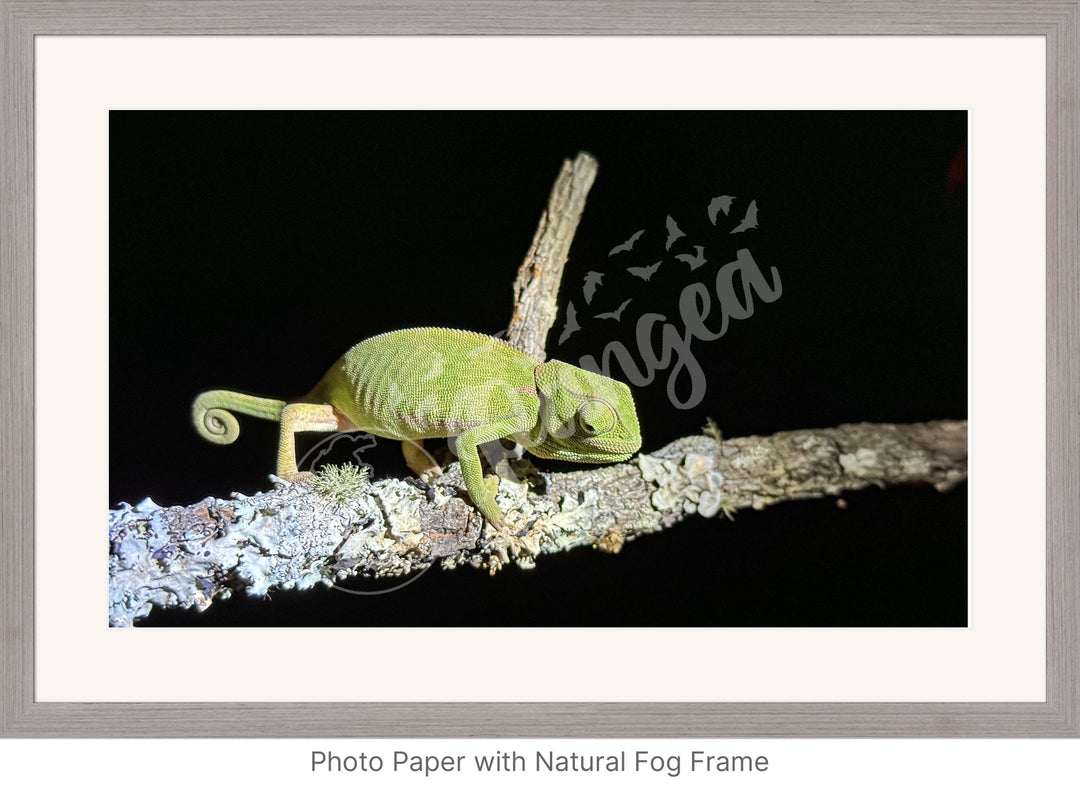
x: 212, y: 413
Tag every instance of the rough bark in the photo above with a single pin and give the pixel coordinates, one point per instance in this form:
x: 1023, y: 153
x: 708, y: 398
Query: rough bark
x: 536, y: 287
x: 296, y: 537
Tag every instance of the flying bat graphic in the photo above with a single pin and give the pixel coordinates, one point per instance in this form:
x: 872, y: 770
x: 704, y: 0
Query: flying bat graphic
x: 627, y: 244
x: 614, y: 315
x: 646, y: 272
x: 749, y: 220
x: 695, y: 260
x: 673, y: 233
x: 592, y: 281
x: 571, y: 323
x: 719, y: 204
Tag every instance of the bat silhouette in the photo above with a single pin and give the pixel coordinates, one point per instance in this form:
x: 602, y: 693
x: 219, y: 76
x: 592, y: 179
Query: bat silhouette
x: 673, y: 233
x: 720, y: 204
x: 749, y: 220
x: 695, y: 260
x: 614, y: 315
x: 571, y: 323
x: 627, y: 244
x: 646, y: 272
x: 592, y: 281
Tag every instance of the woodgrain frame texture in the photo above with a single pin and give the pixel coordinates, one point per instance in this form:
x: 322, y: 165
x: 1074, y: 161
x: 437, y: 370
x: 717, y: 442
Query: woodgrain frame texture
x: 22, y: 716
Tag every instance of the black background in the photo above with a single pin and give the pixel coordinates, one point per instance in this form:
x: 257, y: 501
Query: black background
x: 249, y: 250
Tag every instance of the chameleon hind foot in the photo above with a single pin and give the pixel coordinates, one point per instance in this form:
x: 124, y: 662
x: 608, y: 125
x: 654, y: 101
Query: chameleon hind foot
x: 420, y: 461
x: 297, y: 417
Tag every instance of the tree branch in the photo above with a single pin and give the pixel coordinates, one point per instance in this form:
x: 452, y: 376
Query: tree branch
x: 295, y: 537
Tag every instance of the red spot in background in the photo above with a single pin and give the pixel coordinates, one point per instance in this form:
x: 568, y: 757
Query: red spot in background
x: 956, y: 173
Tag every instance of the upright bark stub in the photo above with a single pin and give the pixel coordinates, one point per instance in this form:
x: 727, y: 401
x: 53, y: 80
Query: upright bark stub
x: 536, y: 287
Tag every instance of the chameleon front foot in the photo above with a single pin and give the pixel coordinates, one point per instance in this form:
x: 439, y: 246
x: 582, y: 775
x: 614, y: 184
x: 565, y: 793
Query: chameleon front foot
x: 483, y: 499
x: 487, y: 505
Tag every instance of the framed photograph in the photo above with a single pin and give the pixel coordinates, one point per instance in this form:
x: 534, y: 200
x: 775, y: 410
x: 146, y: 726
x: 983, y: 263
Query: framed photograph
x: 249, y: 182
x: 835, y: 342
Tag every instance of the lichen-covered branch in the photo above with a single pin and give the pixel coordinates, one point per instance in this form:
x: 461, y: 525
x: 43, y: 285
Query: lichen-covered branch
x: 299, y: 536
x: 536, y: 287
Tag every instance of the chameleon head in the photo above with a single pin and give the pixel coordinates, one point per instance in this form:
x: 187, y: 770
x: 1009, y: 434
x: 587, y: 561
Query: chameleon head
x: 584, y: 416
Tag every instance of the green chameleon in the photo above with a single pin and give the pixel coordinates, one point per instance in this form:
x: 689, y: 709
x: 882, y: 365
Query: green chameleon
x: 428, y: 383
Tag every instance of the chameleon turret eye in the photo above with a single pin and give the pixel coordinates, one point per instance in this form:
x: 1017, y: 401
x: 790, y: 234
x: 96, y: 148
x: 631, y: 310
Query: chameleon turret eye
x: 596, y: 417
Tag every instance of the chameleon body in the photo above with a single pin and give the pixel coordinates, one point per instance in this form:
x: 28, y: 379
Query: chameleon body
x: 432, y: 383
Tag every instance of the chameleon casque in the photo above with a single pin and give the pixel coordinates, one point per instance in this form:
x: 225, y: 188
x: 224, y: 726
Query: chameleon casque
x: 428, y: 383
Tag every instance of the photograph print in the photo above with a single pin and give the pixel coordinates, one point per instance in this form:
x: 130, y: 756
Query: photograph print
x: 741, y: 401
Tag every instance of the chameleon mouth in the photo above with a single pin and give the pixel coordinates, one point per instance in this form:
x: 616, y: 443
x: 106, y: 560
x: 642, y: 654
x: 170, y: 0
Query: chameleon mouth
x: 601, y: 453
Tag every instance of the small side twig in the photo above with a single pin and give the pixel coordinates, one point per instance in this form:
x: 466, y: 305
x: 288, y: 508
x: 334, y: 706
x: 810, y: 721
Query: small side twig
x: 536, y: 287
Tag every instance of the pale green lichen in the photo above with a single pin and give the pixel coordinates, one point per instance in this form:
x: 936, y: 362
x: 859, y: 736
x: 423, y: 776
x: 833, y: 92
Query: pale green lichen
x: 859, y: 463
x: 513, y: 489
x: 692, y: 486
x: 342, y: 483
x: 403, y: 528
x: 574, y: 520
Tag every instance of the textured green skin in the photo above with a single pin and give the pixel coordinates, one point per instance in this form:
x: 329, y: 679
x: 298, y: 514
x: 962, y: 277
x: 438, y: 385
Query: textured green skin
x: 433, y: 383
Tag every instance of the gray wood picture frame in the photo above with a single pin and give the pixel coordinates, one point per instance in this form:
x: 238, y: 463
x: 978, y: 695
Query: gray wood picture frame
x: 22, y: 716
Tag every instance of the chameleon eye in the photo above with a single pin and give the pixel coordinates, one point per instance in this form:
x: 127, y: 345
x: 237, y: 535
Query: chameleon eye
x: 596, y: 417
